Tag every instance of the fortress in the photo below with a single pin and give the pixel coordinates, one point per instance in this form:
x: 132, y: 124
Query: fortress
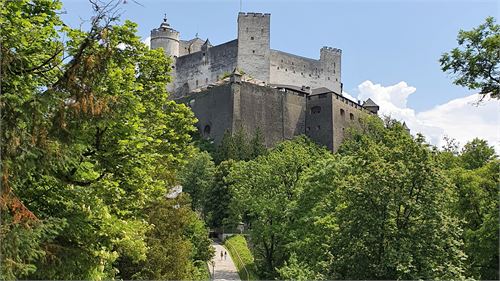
x: 245, y: 84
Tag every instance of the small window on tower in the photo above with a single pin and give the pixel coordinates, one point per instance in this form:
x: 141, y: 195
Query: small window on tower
x: 253, y: 51
x: 342, y: 113
x: 351, y: 116
x: 251, y: 38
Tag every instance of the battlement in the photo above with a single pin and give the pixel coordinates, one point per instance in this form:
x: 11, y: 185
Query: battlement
x: 331, y: 50
x: 241, y: 14
x: 160, y: 32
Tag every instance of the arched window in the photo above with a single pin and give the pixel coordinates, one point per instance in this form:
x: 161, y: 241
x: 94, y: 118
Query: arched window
x: 206, y: 131
x: 351, y: 116
x: 342, y: 113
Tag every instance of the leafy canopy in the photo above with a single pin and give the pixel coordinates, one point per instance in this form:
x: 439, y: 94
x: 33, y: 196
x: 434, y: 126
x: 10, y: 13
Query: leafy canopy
x: 475, y: 63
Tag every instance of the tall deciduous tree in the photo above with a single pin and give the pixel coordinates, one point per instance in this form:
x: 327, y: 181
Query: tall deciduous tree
x: 475, y: 63
x: 88, y: 141
x: 378, y: 210
x: 265, y: 190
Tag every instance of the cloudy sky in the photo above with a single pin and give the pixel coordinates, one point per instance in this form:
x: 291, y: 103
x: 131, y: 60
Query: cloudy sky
x: 390, y: 49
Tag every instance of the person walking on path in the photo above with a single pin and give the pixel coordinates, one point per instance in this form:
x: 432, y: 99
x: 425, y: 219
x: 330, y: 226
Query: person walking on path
x: 223, y: 269
x: 225, y: 255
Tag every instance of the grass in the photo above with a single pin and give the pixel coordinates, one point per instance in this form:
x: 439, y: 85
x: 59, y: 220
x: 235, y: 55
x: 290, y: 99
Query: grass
x: 242, y: 257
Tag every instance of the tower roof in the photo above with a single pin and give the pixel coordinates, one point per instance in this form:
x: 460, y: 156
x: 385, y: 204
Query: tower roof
x: 370, y: 103
x: 164, y: 24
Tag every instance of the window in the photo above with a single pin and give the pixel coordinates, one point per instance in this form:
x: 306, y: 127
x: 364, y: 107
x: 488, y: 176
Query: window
x: 315, y: 109
x: 196, y: 83
x: 351, y: 116
x: 253, y: 51
x: 251, y: 38
x: 328, y: 78
x: 342, y: 113
x: 318, y: 128
x: 206, y: 131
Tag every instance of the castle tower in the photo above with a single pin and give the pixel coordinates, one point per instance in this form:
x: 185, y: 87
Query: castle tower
x: 254, y: 45
x: 167, y: 38
x: 330, y: 59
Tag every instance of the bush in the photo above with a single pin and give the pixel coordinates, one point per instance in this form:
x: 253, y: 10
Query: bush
x: 242, y: 257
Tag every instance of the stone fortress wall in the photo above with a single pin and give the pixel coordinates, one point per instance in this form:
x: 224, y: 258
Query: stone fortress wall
x: 289, y: 69
x: 281, y: 94
x: 202, y: 68
x: 198, y: 63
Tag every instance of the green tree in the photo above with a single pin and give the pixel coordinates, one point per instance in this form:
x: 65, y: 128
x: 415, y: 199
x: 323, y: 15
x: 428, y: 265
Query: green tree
x: 380, y: 209
x: 475, y: 63
x: 265, y: 191
x: 88, y: 141
x: 476, y: 154
x: 197, y: 177
x: 239, y: 146
x: 219, y: 199
x: 477, y: 206
x: 176, y: 241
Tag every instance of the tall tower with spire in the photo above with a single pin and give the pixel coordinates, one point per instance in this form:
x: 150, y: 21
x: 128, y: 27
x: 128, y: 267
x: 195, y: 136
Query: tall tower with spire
x: 167, y: 38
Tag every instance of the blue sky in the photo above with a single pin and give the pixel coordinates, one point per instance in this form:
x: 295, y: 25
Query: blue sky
x: 384, y: 42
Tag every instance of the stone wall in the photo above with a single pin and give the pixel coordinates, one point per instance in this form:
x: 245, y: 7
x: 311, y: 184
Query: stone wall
x: 214, y: 110
x: 278, y: 115
x: 346, y: 113
x: 204, y: 67
x: 289, y: 69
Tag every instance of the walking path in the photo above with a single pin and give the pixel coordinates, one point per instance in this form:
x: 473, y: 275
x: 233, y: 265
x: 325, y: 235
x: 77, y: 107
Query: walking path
x: 225, y: 268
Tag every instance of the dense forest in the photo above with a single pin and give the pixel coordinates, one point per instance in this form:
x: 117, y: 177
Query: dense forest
x: 91, y: 148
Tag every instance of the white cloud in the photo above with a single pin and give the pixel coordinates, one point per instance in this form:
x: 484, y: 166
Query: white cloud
x: 147, y: 41
x: 461, y: 119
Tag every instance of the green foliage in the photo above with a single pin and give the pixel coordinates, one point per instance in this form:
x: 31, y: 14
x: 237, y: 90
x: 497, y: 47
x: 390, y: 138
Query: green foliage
x: 197, y: 177
x: 475, y: 63
x: 176, y: 241
x: 477, y: 205
x: 265, y: 191
x: 242, y: 257
x: 295, y: 270
x: 476, y: 154
x: 89, y: 140
x: 219, y: 199
x: 239, y: 146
